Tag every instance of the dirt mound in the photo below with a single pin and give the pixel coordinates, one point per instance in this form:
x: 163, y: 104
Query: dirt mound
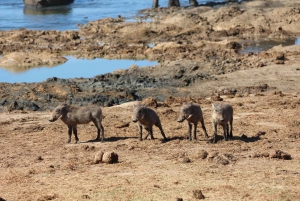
x: 20, y: 62
x: 110, y: 157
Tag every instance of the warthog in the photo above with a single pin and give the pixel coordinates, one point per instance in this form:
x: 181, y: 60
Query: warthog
x: 146, y: 118
x: 222, y: 114
x: 192, y: 113
x: 73, y: 115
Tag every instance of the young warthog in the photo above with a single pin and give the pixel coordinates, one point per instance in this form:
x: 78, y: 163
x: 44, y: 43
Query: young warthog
x: 222, y: 114
x: 146, y: 118
x: 192, y: 113
x: 73, y: 115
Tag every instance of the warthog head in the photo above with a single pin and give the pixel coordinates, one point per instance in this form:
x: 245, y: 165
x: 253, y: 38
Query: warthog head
x: 185, y: 112
x: 218, y: 112
x: 138, y: 112
x: 58, y: 112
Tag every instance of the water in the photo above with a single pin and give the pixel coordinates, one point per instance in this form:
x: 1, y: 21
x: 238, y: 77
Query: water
x: 73, y: 68
x: 15, y: 15
x: 265, y: 44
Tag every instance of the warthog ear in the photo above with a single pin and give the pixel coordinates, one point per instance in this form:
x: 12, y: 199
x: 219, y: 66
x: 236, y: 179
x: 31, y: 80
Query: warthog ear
x: 63, y: 107
x: 189, y: 116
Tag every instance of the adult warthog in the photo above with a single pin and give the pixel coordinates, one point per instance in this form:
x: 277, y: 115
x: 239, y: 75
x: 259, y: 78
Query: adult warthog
x: 146, y: 118
x: 72, y: 115
x: 192, y: 113
x: 222, y: 114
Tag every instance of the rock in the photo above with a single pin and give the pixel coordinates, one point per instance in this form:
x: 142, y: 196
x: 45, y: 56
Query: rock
x: 233, y: 45
x: 110, y: 157
x: 255, y: 155
x: 279, y: 56
x: 244, y: 137
x: 218, y: 158
x: 216, y: 98
x: 280, y: 155
x: 260, y: 64
x: 201, y: 154
x: 47, y: 3
x: 122, y: 125
x: 212, y: 155
x: 265, y: 154
x: 98, y: 157
x: 184, y: 160
x: 197, y: 194
x: 221, y: 160
x: 150, y: 102
x: 279, y: 62
x: 23, y: 105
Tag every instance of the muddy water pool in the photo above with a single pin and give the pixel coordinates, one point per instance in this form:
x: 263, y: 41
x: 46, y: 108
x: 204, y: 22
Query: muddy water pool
x: 265, y: 44
x: 73, y: 68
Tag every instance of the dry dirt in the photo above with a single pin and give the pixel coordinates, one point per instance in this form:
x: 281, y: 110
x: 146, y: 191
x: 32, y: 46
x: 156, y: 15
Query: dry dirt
x: 261, y: 162
x: 37, y: 164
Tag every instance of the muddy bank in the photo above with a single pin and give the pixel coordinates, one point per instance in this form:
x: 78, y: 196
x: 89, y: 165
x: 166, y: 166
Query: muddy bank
x: 198, y: 50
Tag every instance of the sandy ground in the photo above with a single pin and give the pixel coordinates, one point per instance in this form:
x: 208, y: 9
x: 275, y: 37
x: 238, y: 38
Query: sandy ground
x: 38, y: 164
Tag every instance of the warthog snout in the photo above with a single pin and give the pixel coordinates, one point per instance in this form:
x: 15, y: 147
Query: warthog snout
x: 180, y: 119
x: 52, y: 120
x: 134, y: 118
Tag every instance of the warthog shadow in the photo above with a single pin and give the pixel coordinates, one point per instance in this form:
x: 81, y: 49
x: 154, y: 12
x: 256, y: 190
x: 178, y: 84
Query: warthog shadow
x: 254, y: 138
x: 243, y: 138
x: 178, y: 138
x: 109, y: 139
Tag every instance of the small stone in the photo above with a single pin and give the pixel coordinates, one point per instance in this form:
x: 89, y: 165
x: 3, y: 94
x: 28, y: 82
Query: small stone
x: 98, y: 157
x: 201, y: 154
x: 110, y: 157
x: 197, y: 194
x: 280, y: 154
x: 184, y: 160
x: 244, y: 137
x: 265, y: 154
